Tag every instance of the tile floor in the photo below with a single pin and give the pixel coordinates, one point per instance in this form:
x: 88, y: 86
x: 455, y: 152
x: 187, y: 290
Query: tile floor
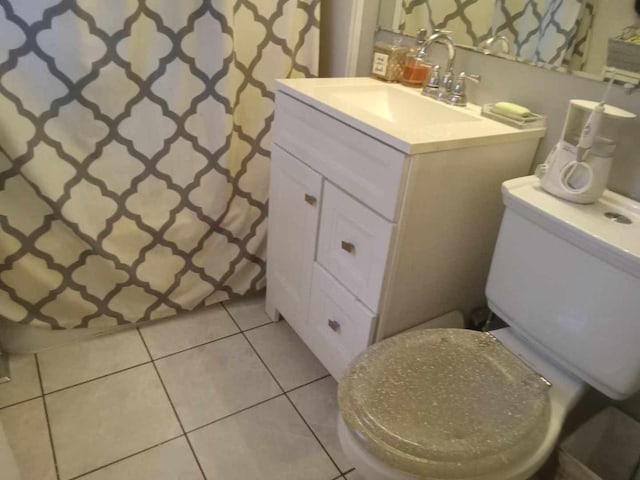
x: 220, y: 394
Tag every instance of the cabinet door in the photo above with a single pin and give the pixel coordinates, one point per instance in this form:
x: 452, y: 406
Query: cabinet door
x: 340, y: 327
x: 294, y: 204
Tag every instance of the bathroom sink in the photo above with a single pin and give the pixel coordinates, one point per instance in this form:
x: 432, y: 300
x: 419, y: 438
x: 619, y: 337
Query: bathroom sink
x: 400, y: 105
x: 401, y: 116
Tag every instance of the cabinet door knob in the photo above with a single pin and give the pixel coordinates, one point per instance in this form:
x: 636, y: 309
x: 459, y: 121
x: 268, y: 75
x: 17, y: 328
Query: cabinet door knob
x: 310, y: 199
x: 333, y: 325
x: 348, y: 247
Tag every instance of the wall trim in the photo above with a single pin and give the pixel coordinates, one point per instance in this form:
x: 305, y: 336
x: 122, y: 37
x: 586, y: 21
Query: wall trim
x: 355, y: 32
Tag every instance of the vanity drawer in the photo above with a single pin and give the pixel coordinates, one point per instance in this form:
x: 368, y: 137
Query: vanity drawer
x: 340, y: 327
x: 354, y: 244
x: 368, y: 169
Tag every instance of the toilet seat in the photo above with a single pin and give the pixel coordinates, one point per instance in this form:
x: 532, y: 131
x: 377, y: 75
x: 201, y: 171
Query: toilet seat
x: 445, y: 403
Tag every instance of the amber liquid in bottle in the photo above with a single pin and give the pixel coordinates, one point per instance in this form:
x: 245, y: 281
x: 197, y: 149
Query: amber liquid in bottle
x: 415, y: 74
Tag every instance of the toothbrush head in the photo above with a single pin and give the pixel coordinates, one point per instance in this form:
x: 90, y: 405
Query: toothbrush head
x: 613, y: 71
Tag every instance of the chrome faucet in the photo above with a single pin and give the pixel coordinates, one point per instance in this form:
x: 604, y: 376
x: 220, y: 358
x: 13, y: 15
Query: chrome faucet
x: 446, y: 83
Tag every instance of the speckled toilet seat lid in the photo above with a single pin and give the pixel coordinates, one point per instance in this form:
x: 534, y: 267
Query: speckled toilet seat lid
x: 445, y: 403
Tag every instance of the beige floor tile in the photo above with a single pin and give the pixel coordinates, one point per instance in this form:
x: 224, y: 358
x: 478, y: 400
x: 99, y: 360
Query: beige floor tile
x: 24, y: 382
x: 174, y: 334
x: 288, y: 358
x: 102, y: 421
x: 266, y: 442
x: 170, y: 461
x: 91, y: 358
x: 25, y: 426
x: 215, y: 380
x: 318, y: 404
x: 248, y: 312
x: 354, y: 475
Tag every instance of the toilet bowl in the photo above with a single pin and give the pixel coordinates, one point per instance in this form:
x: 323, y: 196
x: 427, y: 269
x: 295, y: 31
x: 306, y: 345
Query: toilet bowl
x: 376, y: 457
x: 455, y: 404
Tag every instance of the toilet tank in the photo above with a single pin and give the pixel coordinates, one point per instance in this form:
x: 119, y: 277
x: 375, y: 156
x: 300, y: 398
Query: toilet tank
x: 566, y: 277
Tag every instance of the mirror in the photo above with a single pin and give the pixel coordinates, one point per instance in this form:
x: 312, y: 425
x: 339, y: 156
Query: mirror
x: 571, y: 35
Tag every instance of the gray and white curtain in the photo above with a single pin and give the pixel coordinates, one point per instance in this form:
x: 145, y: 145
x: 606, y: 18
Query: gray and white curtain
x: 551, y: 32
x: 134, y: 152
x: 468, y: 20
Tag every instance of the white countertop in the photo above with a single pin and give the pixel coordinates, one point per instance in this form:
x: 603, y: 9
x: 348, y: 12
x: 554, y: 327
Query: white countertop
x: 407, y: 125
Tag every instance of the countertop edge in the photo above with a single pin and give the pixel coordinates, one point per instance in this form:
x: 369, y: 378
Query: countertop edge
x: 515, y: 135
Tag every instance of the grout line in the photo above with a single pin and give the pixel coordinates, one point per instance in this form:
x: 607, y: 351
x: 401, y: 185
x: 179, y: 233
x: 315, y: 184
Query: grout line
x: 191, y: 348
x: 270, y: 322
x: 289, y: 399
x: 21, y: 401
x: 46, y: 416
x: 308, y: 383
x: 126, y: 457
x: 97, y: 378
x: 258, y: 355
x: 175, y: 412
x: 314, y: 434
x: 235, y: 413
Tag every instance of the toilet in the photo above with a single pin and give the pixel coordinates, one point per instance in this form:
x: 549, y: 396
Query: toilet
x: 458, y: 404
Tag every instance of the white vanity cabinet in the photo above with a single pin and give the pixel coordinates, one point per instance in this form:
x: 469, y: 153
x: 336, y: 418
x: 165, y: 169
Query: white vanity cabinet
x: 370, y: 232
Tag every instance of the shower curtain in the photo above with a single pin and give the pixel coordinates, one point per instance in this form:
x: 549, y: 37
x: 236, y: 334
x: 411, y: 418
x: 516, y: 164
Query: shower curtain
x: 468, y: 20
x: 134, y: 152
x: 552, y: 32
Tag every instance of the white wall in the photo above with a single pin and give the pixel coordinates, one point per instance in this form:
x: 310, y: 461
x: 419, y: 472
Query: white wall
x: 342, y: 54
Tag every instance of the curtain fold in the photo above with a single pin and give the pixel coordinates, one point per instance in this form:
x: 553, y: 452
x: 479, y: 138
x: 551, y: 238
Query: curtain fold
x: 135, y: 138
x: 551, y: 32
x: 468, y: 20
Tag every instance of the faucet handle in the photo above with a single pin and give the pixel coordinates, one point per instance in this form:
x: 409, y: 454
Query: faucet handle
x: 458, y: 95
x: 446, y: 86
x: 473, y: 78
x: 432, y: 86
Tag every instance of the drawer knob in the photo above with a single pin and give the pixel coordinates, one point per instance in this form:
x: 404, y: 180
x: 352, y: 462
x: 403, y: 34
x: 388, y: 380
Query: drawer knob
x: 348, y: 247
x: 333, y: 325
x: 310, y: 199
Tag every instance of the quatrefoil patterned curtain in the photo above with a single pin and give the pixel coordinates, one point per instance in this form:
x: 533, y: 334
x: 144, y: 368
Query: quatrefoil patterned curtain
x: 552, y: 32
x: 134, y: 152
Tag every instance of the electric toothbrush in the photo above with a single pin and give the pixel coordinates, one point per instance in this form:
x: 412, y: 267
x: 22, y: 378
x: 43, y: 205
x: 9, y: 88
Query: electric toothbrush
x: 592, y: 127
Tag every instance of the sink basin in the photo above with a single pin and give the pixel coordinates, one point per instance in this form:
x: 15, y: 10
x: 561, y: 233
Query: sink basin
x: 400, y: 105
x: 401, y: 116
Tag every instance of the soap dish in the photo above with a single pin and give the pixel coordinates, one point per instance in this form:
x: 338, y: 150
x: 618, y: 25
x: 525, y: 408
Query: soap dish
x: 532, y: 121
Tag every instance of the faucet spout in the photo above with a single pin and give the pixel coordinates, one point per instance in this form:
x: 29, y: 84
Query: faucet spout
x: 446, y: 39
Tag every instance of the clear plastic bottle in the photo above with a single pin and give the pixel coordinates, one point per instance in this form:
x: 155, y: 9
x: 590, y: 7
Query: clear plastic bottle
x: 388, y: 60
x: 416, y: 69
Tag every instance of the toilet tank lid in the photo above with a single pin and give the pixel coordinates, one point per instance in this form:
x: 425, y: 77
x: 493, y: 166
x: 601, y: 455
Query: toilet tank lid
x: 593, y: 228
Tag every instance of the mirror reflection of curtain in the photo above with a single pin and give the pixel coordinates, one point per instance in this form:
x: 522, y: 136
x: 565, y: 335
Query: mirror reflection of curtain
x: 469, y: 20
x: 554, y: 32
